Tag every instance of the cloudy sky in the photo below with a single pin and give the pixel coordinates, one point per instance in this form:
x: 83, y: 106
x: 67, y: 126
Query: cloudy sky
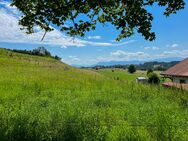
x: 99, y: 45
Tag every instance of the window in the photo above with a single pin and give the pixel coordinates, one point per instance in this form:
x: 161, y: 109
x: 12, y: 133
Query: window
x: 182, y: 81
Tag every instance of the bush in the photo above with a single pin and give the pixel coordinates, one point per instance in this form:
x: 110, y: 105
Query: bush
x: 153, y: 78
x: 149, y: 71
x: 57, y: 57
x: 131, y: 69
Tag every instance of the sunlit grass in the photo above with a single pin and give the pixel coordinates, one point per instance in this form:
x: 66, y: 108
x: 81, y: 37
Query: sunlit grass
x: 43, y: 99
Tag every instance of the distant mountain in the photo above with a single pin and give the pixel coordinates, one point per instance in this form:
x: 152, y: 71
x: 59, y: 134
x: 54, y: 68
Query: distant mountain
x: 111, y: 63
x: 156, y: 65
x: 169, y: 59
x: 136, y: 62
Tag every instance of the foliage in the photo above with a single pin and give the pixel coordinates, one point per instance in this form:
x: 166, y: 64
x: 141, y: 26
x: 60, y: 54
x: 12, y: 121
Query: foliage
x: 149, y: 71
x: 157, y: 66
x: 160, y: 66
x: 57, y: 57
x: 42, y: 99
x: 153, y: 78
x: 40, y: 51
x: 126, y: 16
x: 131, y: 69
x: 23, y: 51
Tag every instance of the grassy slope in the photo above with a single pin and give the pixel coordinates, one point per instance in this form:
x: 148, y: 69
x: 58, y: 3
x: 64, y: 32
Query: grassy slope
x: 43, y: 99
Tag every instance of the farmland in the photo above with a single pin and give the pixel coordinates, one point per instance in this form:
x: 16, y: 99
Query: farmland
x: 122, y: 74
x: 44, y: 99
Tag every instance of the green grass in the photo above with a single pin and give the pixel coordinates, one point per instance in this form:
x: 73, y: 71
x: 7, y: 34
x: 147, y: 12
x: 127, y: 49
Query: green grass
x: 122, y: 74
x: 44, y: 99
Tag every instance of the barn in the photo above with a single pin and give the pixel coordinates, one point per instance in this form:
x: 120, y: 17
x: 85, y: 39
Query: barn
x: 178, y: 74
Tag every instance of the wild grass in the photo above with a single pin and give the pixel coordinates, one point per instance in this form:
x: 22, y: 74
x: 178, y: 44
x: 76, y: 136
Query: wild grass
x: 42, y: 99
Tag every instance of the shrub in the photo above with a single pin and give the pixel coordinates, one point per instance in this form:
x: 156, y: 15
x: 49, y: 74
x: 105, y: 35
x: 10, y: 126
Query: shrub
x: 57, y: 57
x: 149, y: 71
x: 153, y: 78
x: 131, y: 69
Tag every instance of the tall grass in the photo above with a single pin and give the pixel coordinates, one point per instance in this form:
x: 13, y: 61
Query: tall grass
x: 45, y: 100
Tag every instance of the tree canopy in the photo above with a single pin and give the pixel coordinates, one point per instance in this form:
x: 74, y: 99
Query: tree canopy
x: 127, y: 16
x: 131, y: 69
x: 149, y: 71
x: 40, y: 51
x: 153, y: 78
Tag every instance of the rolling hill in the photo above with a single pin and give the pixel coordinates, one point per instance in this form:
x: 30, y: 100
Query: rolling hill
x: 44, y: 99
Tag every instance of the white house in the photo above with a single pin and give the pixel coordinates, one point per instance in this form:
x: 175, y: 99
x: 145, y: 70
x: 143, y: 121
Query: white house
x: 178, y: 74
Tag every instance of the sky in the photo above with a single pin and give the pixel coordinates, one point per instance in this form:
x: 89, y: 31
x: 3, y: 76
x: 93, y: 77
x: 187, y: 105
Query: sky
x: 100, y: 45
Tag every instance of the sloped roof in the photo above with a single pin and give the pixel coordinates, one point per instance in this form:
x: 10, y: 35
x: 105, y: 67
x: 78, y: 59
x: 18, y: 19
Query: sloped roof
x: 180, y: 69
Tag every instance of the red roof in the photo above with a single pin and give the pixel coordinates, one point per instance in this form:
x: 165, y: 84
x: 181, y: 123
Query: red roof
x: 180, y: 69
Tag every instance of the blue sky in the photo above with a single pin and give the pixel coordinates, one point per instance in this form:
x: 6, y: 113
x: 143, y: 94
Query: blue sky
x: 99, y: 45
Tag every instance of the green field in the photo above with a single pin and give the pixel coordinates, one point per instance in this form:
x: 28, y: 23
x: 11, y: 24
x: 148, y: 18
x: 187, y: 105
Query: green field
x: 42, y: 99
x: 122, y: 74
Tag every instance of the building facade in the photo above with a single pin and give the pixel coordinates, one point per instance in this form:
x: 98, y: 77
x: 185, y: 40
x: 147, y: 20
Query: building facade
x: 181, y: 80
x: 178, y: 74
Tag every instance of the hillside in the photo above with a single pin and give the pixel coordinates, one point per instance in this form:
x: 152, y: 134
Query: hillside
x: 23, y: 67
x: 44, y: 99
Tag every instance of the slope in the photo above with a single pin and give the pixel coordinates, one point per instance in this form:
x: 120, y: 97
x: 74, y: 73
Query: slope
x: 44, y: 99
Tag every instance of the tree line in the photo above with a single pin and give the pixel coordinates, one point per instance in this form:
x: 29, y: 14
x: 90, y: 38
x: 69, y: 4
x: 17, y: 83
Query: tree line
x: 157, y: 66
x: 40, y: 51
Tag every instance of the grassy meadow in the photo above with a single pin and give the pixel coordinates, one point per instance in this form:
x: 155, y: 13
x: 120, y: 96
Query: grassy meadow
x: 42, y: 99
x: 122, y: 74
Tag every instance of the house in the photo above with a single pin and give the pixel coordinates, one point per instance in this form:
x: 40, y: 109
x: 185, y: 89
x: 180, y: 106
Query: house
x: 178, y: 74
x: 141, y: 79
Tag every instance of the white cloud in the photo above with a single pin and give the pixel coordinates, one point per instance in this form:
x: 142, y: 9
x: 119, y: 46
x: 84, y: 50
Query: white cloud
x: 74, y: 58
x: 94, y: 37
x: 106, y: 44
x: 174, y: 53
x: 5, y: 3
x: 63, y: 46
x: 174, y: 45
x: 153, y: 48
x: 96, y: 43
x: 120, y: 54
x: 13, y: 10
x: 146, y: 48
x: 124, y: 43
x: 10, y: 32
x: 127, y: 56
